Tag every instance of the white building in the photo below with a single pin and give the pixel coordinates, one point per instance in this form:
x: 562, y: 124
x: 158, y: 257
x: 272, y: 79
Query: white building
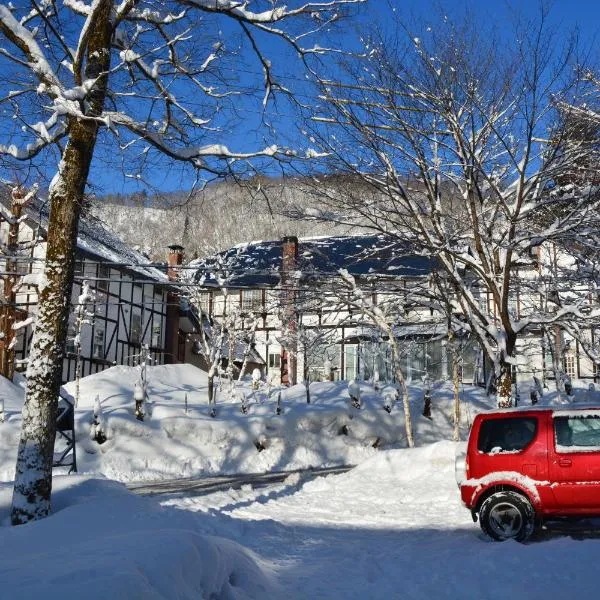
x: 134, y: 303
x: 293, y: 285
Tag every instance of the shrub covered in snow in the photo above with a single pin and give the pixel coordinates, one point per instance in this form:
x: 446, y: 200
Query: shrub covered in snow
x: 98, y: 429
x: 390, y: 395
x: 354, y: 393
x: 139, y: 396
x: 256, y: 379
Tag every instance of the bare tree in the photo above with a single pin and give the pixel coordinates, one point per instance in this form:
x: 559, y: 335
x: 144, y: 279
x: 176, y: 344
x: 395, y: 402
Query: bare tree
x: 309, y: 343
x: 386, y: 313
x: 143, y: 80
x: 459, y: 138
x: 250, y: 323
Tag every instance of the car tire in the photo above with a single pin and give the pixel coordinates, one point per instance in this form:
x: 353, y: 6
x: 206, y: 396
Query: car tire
x: 507, y: 516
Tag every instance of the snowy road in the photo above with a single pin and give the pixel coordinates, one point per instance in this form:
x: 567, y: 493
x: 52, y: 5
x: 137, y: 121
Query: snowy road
x: 391, y: 528
x: 199, y: 486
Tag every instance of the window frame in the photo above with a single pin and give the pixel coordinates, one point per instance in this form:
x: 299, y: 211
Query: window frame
x: 156, y: 334
x: 252, y: 300
x: 571, y: 365
x: 103, y: 277
x: 275, y: 364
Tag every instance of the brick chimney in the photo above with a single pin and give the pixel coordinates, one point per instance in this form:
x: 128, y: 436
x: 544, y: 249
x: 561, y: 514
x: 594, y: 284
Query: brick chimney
x: 175, y: 259
x: 172, y: 354
x: 289, y: 261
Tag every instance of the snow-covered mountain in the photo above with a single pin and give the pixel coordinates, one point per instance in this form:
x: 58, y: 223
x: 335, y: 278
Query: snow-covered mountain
x: 213, y: 219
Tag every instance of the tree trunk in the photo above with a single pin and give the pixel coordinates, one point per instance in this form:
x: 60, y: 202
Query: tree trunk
x: 405, y: 402
x: 504, y: 391
x: 504, y: 386
x: 306, y: 376
x: 211, y: 388
x: 456, y: 383
x: 557, y: 363
x: 231, y: 357
x: 33, y: 476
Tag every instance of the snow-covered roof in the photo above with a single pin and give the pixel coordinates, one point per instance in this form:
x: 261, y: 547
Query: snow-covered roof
x: 258, y: 263
x: 95, y: 239
x: 429, y: 329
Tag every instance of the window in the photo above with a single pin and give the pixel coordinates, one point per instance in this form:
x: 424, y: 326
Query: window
x: 577, y: 433
x: 22, y: 265
x: 251, y: 300
x: 349, y: 362
x: 71, y: 333
x: 79, y: 268
x: 98, y: 349
x: 135, y: 335
x: 156, y: 336
x: 103, y: 276
x: 506, y: 435
x: 203, y: 300
x: 275, y: 360
x: 570, y: 365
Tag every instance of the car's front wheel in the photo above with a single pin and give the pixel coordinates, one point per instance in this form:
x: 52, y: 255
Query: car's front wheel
x: 507, y: 516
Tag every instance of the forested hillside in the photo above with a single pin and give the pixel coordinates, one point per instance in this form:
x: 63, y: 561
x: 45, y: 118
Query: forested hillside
x: 215, y: 218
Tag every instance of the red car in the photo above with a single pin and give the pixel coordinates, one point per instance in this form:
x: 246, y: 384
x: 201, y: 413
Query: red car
x: 529, y: 464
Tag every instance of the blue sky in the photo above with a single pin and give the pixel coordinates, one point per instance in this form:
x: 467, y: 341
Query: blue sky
x: 245, y: 131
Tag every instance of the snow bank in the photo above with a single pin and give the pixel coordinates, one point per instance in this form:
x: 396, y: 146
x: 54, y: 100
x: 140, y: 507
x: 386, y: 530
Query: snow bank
x: 172, y: 442
x: 376, y: 494
x: 103, y: 542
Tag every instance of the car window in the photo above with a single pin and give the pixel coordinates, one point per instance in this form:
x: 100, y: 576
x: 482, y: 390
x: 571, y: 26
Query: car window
x: 506, y: 435
x: 575, y: 432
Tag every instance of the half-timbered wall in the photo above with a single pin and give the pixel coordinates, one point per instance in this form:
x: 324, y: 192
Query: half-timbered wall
x: 129, y: 311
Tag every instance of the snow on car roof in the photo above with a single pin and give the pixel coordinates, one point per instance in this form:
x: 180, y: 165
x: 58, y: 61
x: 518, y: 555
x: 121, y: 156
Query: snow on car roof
x: 556, y: 410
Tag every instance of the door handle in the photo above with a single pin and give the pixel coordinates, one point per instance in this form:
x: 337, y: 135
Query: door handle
x: 565, y: 462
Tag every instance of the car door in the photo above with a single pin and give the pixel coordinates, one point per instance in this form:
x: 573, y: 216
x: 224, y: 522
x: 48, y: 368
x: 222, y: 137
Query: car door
x: 575, y: 460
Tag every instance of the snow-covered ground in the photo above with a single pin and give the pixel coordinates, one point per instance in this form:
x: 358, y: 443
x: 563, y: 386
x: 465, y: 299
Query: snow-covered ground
x: 103, y: 542
x: 392, y: 527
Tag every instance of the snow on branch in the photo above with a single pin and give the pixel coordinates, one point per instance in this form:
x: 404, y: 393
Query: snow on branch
x: 238, y: 9
x: 192, y: 154
x: 24, y: 40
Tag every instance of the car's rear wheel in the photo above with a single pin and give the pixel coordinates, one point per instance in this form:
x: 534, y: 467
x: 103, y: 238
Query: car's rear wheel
x: 507, y: 516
